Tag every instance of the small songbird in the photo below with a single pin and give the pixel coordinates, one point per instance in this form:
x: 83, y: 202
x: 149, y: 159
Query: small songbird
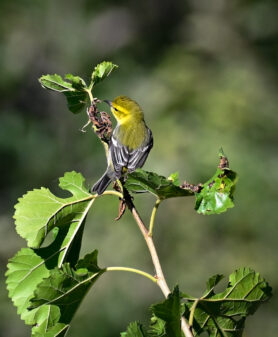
x: 130, y: 143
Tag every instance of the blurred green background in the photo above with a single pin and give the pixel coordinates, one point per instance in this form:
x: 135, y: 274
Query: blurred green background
x: 206, y: 75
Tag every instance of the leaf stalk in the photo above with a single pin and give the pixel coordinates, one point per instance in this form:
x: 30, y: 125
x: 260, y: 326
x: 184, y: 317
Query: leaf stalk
x: 192, y: 311
x: 133, y: 270
x: 157, y: 203
x: 89, y: 91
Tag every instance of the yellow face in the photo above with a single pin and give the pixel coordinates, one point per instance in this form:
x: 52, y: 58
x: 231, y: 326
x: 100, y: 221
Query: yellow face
x: 124, y: 108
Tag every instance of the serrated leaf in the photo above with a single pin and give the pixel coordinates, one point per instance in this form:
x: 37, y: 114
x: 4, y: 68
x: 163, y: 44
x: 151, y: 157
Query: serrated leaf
x: 89, y: 262
x: 28, y: 273
x: 39, y: 211
x: 170, y: 311
x: 101, y: 71
x: 28, y: 267
x: 76, y: 81
x: 46, y: 319
x: 64, y: 288
x: 165, y: 320
x: 58, y: 330
x: 73, y: 87
x: 216, y: 195
x: 174, y: 177
x: 212, y: 283
x: 142, y: 181
x: 157, y: 327
x: 224, y: 314
x: 134, y: 329
x: 25, y: 271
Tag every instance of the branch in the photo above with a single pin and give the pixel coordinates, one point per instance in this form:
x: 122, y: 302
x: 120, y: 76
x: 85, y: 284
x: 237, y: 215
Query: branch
x: 161, y: 281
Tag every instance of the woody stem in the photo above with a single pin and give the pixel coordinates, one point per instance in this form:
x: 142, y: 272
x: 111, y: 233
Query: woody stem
x: 161, y: 281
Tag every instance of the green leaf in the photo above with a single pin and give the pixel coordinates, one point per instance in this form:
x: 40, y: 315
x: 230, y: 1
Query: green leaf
x: 28, y: 267
x: 32, y: 273
x: 216, y: 195
x: 165, y: 320
x: 174, y: 177
x: 65, y: 288
x: 76, y: 82
x: 134, y: 329
x: 25, y: 271
x: 170, y: 311
x: 224, y: 314
x: 157, y: 327
x: 46, y: 319
x: 39, y: 211
x: 212, y: 283
x: 58, y: 330
x: 73, y: 87
x: 142, y: 181
x: 89, y: 262
x: 101, y: 71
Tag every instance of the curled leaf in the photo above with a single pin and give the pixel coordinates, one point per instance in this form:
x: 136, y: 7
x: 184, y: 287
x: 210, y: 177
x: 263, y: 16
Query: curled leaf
x: 73, y: 87
x: 101, y: 71
x: 216, y: 195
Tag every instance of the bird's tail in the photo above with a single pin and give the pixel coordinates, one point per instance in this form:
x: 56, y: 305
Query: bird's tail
x: 101, y: 185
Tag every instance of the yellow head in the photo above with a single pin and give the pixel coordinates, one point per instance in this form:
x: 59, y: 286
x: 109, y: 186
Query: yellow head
x: 124, y: 109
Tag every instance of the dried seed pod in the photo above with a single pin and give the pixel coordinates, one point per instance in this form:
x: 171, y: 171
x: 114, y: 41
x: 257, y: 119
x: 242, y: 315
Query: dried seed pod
x: 101, y: 121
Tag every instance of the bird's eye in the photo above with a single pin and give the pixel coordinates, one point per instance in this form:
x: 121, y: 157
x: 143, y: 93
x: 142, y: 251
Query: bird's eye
x: 115, y: 109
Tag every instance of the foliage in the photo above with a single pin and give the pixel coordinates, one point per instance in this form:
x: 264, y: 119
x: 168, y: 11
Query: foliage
x: 220, y: 315
x: 216, y: 195
x: 74, y: 87
x: 141, y: 181
x: 47, y: 283
x: 224, y: 314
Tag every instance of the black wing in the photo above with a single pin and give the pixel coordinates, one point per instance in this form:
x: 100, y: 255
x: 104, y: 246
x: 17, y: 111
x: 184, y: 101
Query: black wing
x: 121, y: 156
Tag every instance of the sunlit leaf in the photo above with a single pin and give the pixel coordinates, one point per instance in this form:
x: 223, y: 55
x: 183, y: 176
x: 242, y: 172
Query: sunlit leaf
x: 58, y: 330
x: 73, y: 87
x: 157, y: 327
x: 25, y: 271
x: 39, y: 211
x: 102, y: 70
x: 216, y: 195
x: 46, y: 296
x: 223, y: 314
x: 134, y: 329
x: 174, y: 177
x: 65, y: 289
x: 142, y: 181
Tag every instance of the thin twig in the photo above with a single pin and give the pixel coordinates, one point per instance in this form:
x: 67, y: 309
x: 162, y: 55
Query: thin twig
x: 161, y: 282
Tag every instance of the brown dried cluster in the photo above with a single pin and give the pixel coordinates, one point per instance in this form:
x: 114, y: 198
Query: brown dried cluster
x: 101, y: 122
x: 191, y: 187
x: 224, y: 163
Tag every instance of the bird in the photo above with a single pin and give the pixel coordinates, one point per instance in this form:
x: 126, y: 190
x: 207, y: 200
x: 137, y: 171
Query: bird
x: 130, y: 142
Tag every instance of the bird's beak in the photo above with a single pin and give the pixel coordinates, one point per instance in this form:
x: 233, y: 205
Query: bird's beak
x: 108, y: 102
